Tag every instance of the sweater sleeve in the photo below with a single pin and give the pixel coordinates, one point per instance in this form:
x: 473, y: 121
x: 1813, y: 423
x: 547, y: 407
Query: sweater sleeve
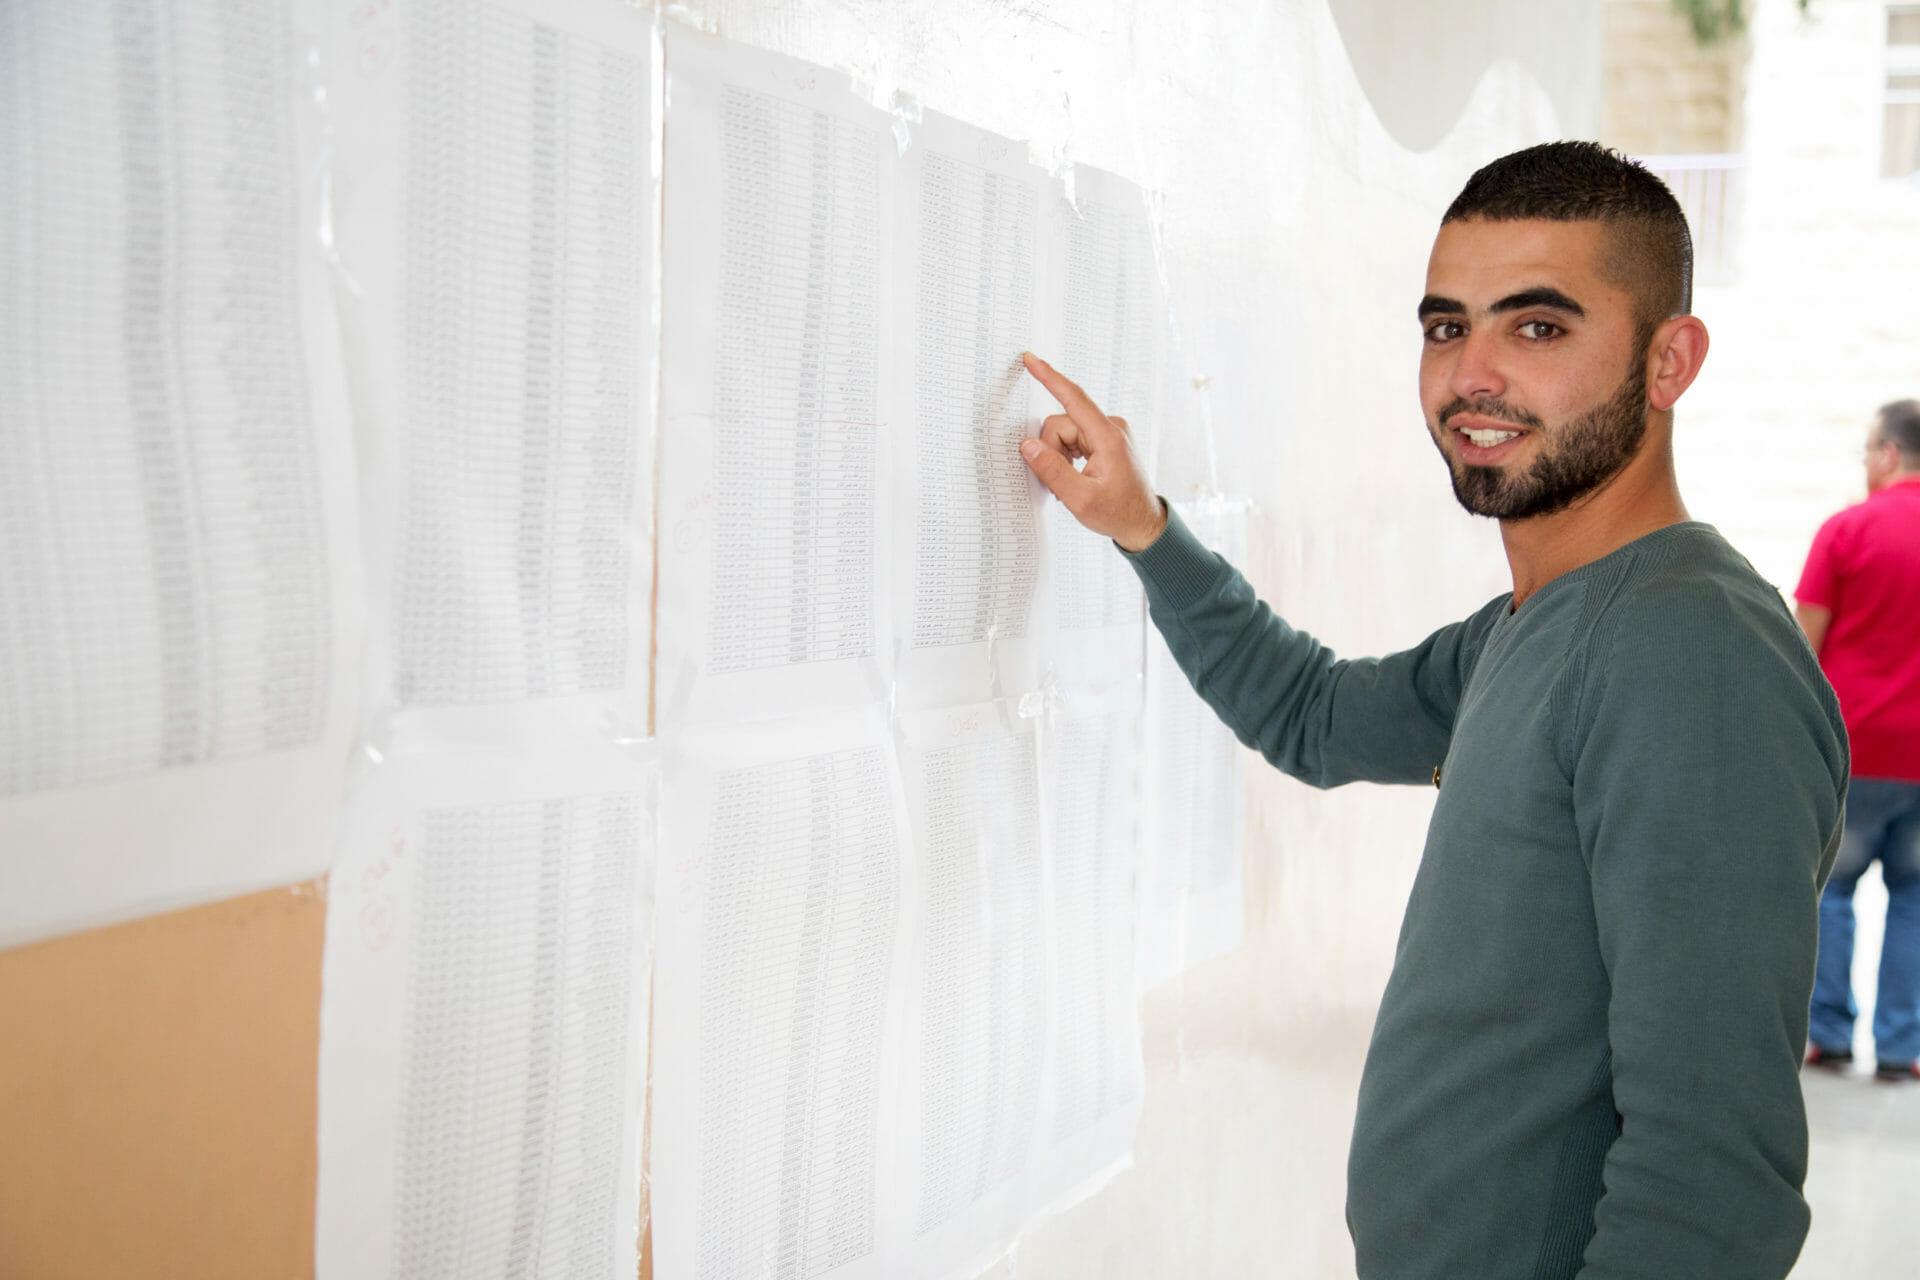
x: 1708, y: 770
x: 1322, y: 719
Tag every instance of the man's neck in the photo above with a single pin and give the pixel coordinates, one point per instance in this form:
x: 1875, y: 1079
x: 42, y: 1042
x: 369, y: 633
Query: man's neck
x: 1644, y: 497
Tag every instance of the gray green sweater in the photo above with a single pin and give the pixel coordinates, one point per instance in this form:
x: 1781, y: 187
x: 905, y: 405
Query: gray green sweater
x: 1586, y: 1060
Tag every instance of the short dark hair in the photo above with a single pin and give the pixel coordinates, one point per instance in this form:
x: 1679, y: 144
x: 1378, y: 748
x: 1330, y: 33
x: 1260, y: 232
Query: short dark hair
x: 1586, y: 182
x: 1899, y: 426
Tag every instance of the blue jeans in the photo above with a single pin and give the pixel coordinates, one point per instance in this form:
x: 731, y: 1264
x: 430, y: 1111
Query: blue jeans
x: 1883, y: 821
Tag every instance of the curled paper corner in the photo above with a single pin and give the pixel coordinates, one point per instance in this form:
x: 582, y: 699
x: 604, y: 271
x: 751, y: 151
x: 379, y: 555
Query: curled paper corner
x: 1058, y: 158
x: 907, y: 113
x: 1202, y: 387
x: 992, y: 639
x: 874, y: 83
x: 1058, y: 161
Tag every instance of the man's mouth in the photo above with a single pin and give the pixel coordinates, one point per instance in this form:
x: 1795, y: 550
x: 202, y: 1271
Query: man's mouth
x: 1487, y: 437
x: 1485, y: 441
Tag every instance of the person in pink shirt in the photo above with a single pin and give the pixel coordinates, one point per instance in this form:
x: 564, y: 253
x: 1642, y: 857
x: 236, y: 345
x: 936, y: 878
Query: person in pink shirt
x: 1859, y: 603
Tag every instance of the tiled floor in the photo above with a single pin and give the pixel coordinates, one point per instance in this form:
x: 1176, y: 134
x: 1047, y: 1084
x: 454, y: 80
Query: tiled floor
x: 1219, y: 1108
x: 1863, y: 1178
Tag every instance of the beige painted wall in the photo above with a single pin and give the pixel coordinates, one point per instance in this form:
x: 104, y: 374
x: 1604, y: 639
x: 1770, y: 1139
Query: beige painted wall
x: 1661, y: 93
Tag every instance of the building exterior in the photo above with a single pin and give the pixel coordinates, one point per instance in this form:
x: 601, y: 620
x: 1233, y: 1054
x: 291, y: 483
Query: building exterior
x: 1795, y: 148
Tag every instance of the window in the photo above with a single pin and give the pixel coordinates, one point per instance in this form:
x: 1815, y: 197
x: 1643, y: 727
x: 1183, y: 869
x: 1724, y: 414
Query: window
x: 1900, y: 141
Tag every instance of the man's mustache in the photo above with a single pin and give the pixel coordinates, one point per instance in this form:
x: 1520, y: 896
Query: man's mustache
x: 1496, y: 409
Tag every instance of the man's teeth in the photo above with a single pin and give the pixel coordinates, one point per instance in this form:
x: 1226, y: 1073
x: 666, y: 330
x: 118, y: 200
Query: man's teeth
x: 1487, y: 439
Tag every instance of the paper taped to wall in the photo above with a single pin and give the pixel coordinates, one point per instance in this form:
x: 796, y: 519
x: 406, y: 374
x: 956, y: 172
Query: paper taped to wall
x: 1090, y: 781
x: 1117, y: 337
x: 1023, y: 1077
x: 773, y: 456
x: 1115, y: 340
x: 483, y: 1023
x: 1190, y: 881
x: 178, y: 595
x: 781, y: 943
x: 496, y: 228
x: 978, y: 1016
x: 895, y: 1011
x: 979, y: 240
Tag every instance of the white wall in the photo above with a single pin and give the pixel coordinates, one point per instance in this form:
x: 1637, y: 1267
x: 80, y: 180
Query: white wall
x: 1296, y: 236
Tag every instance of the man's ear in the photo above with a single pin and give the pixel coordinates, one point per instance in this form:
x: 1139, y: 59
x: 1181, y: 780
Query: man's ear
x: 1674, y: 357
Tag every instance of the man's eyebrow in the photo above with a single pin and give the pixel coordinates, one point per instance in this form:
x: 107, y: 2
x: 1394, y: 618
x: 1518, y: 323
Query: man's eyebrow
x: 1434, y: 305
x: 1539, y: 296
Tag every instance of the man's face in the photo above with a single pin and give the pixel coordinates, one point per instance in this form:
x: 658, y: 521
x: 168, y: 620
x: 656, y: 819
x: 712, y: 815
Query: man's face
x: 1531, y: 370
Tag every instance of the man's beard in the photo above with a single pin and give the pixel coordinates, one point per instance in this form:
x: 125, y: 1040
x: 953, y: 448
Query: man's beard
x: 1574, y: 459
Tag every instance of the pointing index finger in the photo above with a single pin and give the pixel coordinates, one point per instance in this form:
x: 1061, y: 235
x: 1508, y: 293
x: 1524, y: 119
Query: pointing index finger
x: 1085, y: 413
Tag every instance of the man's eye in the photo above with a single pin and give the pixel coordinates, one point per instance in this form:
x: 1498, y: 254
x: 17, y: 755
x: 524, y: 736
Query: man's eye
x: 1444, y: 330
x: 1540, y: 330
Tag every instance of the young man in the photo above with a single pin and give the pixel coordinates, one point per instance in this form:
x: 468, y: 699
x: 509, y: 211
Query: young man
x: 1586, y: 1060
x: 1860, y: 605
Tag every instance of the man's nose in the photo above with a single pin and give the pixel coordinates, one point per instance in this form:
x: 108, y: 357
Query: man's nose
x: 1476, y: 373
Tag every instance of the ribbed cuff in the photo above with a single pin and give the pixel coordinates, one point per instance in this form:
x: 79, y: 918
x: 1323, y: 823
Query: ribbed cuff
x: 1176, y: 567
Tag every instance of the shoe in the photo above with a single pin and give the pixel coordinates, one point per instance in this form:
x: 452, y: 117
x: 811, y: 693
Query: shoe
x: 1897, y: 1071
x: 1831, y: 1059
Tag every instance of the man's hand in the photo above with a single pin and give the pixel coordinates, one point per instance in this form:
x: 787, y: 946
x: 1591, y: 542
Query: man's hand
x: 1110, y: 496
x: 1814, y: 619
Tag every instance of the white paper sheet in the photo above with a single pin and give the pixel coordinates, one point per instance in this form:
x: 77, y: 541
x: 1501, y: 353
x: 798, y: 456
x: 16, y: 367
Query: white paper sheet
x: 483, y: 1020
x: 1117, y: 340
x: 977, y: 1017
x: 179, y: 603
x: 775, y: 1100
x: 496, y: 218
x: 980, y: 234
x: 775, y: 412
x: 1191, y: 902
x: 1115, y: 343
x: 1089, y: 784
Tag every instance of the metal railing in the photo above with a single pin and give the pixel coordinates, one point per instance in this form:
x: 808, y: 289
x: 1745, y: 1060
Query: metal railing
x: 1710, y: 189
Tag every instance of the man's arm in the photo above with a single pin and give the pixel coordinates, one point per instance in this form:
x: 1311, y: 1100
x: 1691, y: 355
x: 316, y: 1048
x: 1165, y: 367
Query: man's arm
x: 1705, y: 795
x: 1282, y: 692
x: 1818, y: 591
x: 1325, y: 720
x: 1814, y: 619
